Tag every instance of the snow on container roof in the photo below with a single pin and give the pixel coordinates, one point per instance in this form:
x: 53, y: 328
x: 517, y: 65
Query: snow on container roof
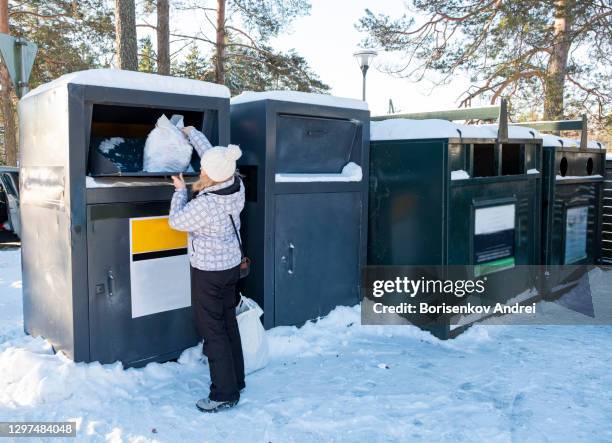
x: 554, y: 140
x: 300, y: 97
x: 521, y: 132
x: 594, y: 144
x: 118, y: 78
x: 407, y: 129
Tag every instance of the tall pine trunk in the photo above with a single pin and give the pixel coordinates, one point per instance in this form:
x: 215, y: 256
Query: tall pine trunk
x: 220, y: 47
x: 8, y: 111
x: 163, y: 37
x: 125, y: 29
x: 557, y: 64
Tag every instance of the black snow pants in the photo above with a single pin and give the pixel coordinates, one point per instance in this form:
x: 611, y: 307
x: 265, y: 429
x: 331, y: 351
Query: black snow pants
x: 213, y: 296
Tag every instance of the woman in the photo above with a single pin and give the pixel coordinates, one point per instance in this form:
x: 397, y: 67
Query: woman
x: 214, y: 254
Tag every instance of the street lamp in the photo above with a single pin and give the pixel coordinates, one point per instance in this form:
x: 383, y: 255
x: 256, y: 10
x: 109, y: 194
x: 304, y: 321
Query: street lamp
x: 364, y: 57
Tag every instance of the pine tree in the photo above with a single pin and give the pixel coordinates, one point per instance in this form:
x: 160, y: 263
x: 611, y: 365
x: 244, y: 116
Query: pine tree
x: 146, y: 56
x: 242, y: 57
x: 125, y: 30
x: 71, y: 36
x: 259, y: 70
x: 163, y: 37
x: 9, y: 136
x: 195, y: 66
x: 558, y: 50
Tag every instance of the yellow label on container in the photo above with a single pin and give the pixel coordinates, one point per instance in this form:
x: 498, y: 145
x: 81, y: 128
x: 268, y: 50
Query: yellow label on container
x: 152, y: 234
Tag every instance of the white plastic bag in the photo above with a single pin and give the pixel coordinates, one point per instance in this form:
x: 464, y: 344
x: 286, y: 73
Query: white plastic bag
x: 166, y: 148
x: 252, y: 335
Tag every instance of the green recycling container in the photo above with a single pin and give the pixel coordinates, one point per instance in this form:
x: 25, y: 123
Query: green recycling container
x: 445, y: 194
x: 573, y: 188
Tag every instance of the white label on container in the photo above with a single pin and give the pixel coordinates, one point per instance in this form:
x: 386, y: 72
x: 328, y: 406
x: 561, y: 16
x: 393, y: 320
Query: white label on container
x: 494, y: 219
x: 159, y: 267
x: 576, y: 234
x: 160, y: 285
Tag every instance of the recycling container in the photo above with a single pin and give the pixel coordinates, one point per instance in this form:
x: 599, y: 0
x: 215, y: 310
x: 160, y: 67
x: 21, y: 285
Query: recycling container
x: 104, y: 277
x: 607, y: 214
x: 573, y: 187
x: 305, y: 161
x: 444, y: 194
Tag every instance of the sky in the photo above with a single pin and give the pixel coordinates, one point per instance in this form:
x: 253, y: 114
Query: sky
x: 327, y: 39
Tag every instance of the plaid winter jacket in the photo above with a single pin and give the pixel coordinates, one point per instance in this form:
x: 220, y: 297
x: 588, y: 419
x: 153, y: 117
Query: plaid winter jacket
x: 213, y: 246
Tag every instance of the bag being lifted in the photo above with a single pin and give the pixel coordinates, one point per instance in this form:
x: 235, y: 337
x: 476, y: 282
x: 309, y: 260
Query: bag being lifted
x: 166, y: 148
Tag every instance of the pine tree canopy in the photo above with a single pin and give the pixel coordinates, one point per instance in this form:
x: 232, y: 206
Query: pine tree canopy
x: 70, y: 35
x: 558, y: 50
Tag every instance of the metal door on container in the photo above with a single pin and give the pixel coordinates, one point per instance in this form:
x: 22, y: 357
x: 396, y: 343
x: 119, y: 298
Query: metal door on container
x: 329, y: 141
x: 317, y: 250
x: 139, y: 284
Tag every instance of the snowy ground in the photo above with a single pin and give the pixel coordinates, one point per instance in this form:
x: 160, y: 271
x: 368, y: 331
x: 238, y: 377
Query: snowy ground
x: 330, y: 381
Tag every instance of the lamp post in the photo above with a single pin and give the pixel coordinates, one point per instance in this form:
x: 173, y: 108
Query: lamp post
x: 364, y: 57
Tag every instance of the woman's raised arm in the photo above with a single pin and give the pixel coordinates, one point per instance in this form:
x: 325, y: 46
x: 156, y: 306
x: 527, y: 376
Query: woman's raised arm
x: 198, y: 140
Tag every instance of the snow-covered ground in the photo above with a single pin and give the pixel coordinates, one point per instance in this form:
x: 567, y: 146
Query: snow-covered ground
x: 333, y: 380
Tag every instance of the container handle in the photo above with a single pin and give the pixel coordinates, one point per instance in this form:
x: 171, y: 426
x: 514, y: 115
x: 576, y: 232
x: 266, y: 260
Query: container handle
x: 291, y: 254
x: 316, y: 132
x: 111, y: 282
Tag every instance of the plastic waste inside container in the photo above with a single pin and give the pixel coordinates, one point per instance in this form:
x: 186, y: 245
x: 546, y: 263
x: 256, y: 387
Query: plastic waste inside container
x: 166, y: 148
x: 162, y: 150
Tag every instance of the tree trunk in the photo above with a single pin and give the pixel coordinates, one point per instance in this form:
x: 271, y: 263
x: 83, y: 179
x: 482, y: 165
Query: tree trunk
x: 8, y: 111
x: 125, y: 28
x: 557, y: 64
x: 220, y: 47
x: 163, y: 37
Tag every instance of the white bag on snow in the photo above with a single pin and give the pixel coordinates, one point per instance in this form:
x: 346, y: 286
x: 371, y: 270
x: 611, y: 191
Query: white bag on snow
x: 252, y: 335
x: 166, y: 148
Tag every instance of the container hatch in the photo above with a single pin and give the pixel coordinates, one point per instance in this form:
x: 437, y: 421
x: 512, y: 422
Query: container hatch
x: 118, y: 134
x: 312, y: 145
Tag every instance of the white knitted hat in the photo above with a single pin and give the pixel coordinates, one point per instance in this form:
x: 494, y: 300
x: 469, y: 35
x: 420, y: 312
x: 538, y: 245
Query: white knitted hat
x: 219, y: 162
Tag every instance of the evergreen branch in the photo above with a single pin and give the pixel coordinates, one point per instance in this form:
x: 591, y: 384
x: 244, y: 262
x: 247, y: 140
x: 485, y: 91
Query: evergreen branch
x: 40, y: 16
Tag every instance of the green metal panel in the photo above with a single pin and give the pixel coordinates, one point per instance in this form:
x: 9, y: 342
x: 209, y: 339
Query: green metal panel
x: 407, y: 188
x: 466, y: 197
x: 419, y: 215
x: 479, y: 113
x: 567, y: 241
x: 551, y: 126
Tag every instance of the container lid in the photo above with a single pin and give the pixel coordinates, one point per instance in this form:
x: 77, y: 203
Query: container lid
x: 300, y: 97
x: 118, y: 78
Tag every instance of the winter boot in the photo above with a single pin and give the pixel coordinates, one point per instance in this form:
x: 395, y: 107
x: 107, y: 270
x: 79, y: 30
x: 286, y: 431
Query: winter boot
x: 208, y: 405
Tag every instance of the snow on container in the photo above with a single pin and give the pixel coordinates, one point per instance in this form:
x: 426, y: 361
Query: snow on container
x: 444, y: 194
x: 305, y: 165
x: 104, y: 277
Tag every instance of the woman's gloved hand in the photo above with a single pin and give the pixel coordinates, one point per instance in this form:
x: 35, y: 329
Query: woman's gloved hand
x: 187, y: 130
x: 178, y: 182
